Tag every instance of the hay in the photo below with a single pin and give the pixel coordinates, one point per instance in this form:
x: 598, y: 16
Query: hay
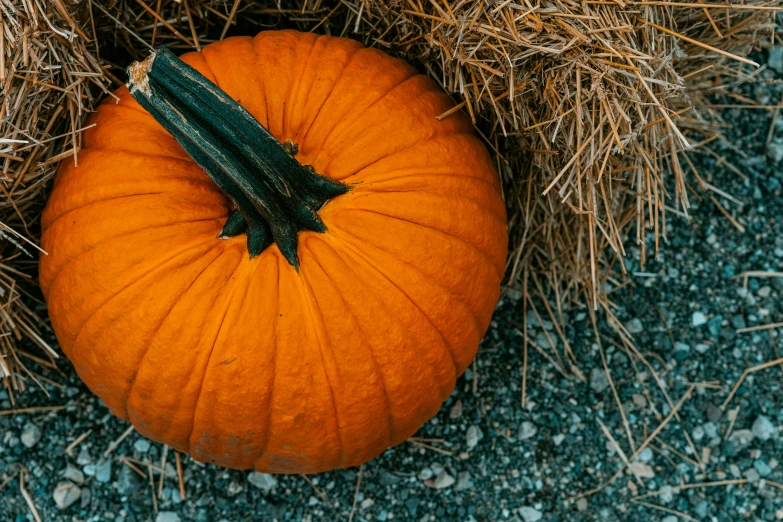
x: 589, y: 106
x: 49, y: 80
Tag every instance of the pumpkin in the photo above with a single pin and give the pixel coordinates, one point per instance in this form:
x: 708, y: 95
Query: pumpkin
x: 278, y: 257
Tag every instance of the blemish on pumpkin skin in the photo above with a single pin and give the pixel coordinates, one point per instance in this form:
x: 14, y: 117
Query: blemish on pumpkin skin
x: 227, y: 362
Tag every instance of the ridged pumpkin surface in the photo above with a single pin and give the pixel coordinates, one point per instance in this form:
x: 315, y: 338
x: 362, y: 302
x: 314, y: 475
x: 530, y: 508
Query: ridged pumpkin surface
x: 248, y: 363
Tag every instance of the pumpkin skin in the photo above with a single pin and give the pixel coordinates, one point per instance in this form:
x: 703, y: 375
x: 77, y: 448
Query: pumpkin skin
x: 246, y: 362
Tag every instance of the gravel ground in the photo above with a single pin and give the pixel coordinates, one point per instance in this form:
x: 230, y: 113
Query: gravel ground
x: 484, y: 457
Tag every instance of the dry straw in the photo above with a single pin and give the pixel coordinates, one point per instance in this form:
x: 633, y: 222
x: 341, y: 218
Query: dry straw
x: 593, y: 109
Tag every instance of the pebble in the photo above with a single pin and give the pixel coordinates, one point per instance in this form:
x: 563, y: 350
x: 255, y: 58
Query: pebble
x: 473, y: 436
x: 456, y: 410
x: 443, y: 481
x: 142, y: 445
x: 103, y: 471
x: 530, y: 514
x: 763, y: 427
x: 65, y: 494
x: 527, y: 430
x: 639, y: 400
x: 464, y: 482
x: 263, y: 481
x: 701, y: 510
x: 84, y: 457
x: 681, y: 350
x: 581, y: 504
x: 73, y: 474
x: 425, y: 474
x: 634, y: 326
x: 31, y: 435
x: 666, y: 494
x: 698, y: 319
x: 742, y: 437
x: 599, y: 381
x: 775, y: 151
x: 752, y: 475
x: 702, y: 347
x: 641, y: 470
x: 763, y: 469
x: 167, y: 516
x: 775, y: 60
x: 713, y: 413
x: 698, y: 433
x: 127, y: 481
x: 646, y: 455
x: 670, y: 518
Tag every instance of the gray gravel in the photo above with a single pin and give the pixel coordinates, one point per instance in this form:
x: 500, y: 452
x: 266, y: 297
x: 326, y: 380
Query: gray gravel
x: 496, y: 460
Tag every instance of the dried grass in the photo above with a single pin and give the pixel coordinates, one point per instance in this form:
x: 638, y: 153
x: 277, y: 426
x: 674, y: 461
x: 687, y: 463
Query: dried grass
x: 49, y: 80
x: 590, y: 107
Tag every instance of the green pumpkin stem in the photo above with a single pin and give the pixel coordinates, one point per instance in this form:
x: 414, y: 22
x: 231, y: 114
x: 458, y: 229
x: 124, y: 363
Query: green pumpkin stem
x: 274, y: 195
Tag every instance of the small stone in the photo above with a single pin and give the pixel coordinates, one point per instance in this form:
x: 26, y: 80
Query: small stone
x: 367, y: 503
x: 128, y: 481
x: 103, y: 471
x: 443, y: 481
x: 738, y: 322
x: 640, y: 401
x: 634, y: 326
x: 473, y: 436
x: 167, y: 516
x: 775, y: 59
x: 456, y: 410
x: 31, y: 435
x: 73, y: 474
x: 530, y: 514
x: 763, y: 469
x: 681, y: 351
x: 646, y: 455
x: 65, y: 494
x: 641, y: 470
x: 142, y: 445
x: 697, y: 433
x: 775, y: 151
x: 701, y: 510
x: 263, y: 481
x: 84, y: 457
x: 698, y: 319
x: 666, y: 494
x: 85, y: 497
x: 742, y: 437
x: 558, y: 439
x: 599, y: 381
x: 581, y: 504
x: 702, y: 347
x: 527, y: 430
x: 670, y: 518
x: 764, y: 291
x: 763, y: 427
x: 425, y: 474
x: 752, y: 475
x: 713, y: 413
x: 464, y: 481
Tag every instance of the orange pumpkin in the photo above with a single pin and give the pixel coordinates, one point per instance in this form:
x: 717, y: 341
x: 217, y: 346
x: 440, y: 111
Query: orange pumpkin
x: 314, y: 352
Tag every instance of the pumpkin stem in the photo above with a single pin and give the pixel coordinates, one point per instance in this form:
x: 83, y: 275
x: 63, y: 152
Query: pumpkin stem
x: 274, y: 195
